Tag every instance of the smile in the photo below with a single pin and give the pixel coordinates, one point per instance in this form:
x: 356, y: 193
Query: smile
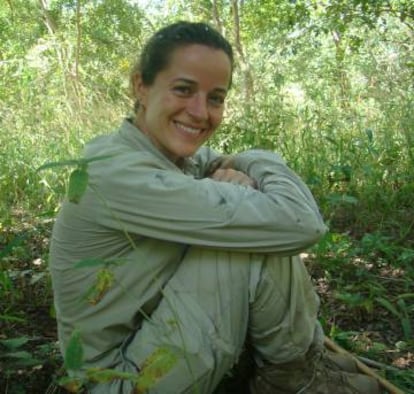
x: 188, y: 129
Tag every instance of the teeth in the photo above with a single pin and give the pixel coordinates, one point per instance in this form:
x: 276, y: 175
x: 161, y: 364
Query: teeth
x: 187, y: 129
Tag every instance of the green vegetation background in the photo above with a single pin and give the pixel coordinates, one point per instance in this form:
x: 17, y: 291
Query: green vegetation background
x: 327, y: 83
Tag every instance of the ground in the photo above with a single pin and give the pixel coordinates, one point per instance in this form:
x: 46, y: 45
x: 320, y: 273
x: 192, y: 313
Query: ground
x: 367, y: 306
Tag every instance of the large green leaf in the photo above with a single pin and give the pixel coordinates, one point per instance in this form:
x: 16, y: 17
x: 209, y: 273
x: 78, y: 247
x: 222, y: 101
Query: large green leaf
x: 78, y: 182
x: 74, y: 352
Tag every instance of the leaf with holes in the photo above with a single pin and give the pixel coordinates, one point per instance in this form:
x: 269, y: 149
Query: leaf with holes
x: 158, y: 364
x: 104, y: 282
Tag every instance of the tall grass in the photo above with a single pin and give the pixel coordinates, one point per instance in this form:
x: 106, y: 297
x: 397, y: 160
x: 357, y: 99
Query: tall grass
x: 352, y: 143
x: 46, y: 131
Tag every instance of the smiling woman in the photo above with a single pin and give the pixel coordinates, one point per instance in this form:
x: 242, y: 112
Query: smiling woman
x: 184, y: 105
x: 196, y: 251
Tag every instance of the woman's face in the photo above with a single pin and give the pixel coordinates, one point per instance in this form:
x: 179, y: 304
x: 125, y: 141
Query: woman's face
x: 184, y: 105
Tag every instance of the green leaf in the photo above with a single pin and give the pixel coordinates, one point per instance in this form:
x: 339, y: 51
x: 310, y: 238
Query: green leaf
x: 370, y: 134
x: 24, y: 359
x: 402, y: 305
x: 20, y: 354
x: 108, y: 375
x: 95, y: 262
x: 17, y: 241
x: 72, y: 162
x: 89, y: 263
x: 407, y: 330
x: 350, y: 299
x: 14, y: 343
x: 158, y: 364
x: 62, y: 163
x: 342, y: 198
x: 78, y: 183
x: 52, y: 311
x: 387, y: 305
x: 74, y: 352
x: 104, y: 281
x: 12, y: 318
x: 71, y: 384
x: 405, y: 295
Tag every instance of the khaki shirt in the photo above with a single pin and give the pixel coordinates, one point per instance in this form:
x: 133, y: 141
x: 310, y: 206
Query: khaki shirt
x: 141, y: 212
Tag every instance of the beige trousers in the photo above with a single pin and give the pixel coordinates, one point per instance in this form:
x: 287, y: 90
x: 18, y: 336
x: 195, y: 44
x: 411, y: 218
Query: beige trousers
x: 213, y: 301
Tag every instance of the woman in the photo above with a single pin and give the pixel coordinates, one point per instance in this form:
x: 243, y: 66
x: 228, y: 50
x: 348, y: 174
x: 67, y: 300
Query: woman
x: 202, y: 249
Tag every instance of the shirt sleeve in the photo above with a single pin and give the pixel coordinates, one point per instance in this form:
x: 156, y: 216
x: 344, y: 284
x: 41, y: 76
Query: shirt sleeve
x: 136, y: 194
x: 203, y: 159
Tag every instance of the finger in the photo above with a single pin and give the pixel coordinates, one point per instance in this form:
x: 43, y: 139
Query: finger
x: 225, y: 161
x: 220, y: 175
x: 233, y: 176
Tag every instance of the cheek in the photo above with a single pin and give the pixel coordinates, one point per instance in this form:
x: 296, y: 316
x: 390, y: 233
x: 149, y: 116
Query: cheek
x: 217, y: 117
x: 156, y: 101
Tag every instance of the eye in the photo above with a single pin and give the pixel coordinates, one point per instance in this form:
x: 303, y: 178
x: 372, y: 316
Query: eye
x: 182, y: 90
x: 217, y: 100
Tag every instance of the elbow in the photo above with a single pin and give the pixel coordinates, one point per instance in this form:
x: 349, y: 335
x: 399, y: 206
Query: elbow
x: 311, y: 231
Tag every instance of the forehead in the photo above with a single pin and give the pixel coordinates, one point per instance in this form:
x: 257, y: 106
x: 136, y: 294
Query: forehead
x: 201, y: 64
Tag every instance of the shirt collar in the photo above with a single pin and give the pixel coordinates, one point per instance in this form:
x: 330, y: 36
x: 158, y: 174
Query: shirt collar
x: 138, y: 139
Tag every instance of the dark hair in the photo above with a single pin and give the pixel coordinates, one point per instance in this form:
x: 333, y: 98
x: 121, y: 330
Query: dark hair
x: 156, y: 53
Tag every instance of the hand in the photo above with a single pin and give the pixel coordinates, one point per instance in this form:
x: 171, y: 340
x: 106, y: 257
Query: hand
x: 224, y: 162
x: 233, y: 176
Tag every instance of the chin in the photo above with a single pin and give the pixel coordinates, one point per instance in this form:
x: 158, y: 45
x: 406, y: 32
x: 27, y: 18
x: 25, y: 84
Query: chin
x: 187, y: 152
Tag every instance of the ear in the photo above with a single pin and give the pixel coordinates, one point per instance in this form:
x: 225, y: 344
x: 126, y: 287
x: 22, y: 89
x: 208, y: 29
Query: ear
x: 139, y: 89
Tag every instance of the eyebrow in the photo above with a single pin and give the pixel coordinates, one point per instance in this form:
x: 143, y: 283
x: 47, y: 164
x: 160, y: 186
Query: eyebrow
x: 191, y: 82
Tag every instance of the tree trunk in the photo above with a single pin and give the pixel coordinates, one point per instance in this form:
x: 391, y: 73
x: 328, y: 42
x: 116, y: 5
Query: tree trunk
x: 216, y: 17
x: 244, y: 64
x: 75, y: 74
x: 341, y: 74
x: 52, y: 29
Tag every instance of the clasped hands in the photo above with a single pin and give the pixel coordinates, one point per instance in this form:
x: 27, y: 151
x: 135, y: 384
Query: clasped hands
x: 222, y: 170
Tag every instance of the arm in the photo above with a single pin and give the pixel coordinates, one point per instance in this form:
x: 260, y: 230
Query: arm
x: 222, y: 169
x: 157, y: 202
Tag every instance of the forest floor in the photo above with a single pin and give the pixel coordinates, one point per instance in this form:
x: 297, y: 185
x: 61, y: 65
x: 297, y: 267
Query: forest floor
x: 367, y: 307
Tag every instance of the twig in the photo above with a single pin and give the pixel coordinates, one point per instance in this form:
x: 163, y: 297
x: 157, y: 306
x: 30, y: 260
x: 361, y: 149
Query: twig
x: 376, y: 364
x: 388, y: 278
x: 364, y: 368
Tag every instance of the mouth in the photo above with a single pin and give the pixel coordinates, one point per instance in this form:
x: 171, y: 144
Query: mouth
x: 188, y: 129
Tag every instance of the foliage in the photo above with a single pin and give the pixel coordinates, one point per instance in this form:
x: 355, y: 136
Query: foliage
x: 364, y: 288
x: 326, y: 83
x: 156, y: 365
x: 12, y: 351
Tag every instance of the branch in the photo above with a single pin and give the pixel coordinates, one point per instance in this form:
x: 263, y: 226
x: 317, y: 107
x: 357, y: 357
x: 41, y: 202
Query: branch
x: 50, y: 24
x: 78, y: 37
x: 216, y: 17
x: 362, y: 367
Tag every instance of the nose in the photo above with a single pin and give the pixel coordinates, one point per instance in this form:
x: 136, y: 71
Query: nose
x: 197, y: 107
